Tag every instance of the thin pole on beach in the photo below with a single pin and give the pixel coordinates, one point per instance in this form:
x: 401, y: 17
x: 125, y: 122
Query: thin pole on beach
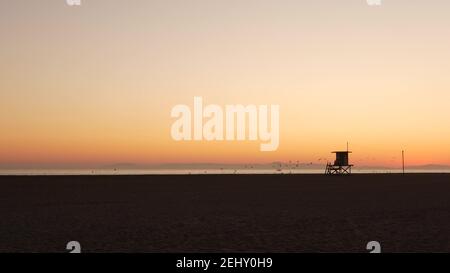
x: 403, y: 161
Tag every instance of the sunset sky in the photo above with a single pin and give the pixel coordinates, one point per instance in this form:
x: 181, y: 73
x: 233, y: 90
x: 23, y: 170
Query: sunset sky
x: 95, y: 84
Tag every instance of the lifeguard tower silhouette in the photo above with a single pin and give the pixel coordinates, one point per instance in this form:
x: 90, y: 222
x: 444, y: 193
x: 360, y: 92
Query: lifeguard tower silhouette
x: 341, y: 165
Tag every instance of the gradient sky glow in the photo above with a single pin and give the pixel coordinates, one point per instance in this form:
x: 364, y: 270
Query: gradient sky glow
x: 95, y: 84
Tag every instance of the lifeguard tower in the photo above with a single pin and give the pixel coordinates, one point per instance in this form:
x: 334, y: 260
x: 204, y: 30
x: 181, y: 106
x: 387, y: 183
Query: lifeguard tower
x: 341, y: 165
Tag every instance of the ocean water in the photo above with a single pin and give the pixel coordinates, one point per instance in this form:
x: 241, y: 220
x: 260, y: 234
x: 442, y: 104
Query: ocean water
x: 199, y: 171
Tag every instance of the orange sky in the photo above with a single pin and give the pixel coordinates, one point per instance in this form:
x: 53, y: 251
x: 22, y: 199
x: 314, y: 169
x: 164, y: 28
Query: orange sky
x: 95, y: 84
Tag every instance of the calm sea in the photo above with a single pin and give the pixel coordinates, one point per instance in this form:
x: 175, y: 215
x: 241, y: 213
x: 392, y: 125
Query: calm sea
x: 198, y: 171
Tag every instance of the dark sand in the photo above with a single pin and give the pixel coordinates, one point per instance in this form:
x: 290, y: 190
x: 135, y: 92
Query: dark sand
x: 225, y: 213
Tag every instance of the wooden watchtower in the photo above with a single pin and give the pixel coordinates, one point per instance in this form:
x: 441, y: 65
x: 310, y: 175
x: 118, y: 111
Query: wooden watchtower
x: 340, y: 165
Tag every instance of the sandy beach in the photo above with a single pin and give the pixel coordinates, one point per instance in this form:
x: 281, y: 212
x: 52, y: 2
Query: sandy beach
x: 226, y: 213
